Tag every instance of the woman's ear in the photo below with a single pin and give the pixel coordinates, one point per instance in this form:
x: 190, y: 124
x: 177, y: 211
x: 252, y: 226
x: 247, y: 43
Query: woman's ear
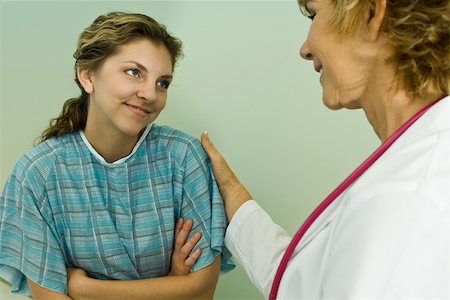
x: 84, y: 77
x: 376, y: 19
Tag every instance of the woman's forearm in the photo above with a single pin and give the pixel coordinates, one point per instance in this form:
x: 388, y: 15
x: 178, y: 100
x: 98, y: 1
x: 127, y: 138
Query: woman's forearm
x: 40, y: 293
x: 197, y: 285
x: 234, y: 197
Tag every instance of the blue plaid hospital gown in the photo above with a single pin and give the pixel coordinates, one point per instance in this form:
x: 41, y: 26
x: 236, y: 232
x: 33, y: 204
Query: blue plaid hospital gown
x: 64, y: 205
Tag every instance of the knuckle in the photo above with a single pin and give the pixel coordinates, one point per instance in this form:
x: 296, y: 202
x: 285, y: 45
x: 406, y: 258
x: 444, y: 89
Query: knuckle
x: 184, y: 252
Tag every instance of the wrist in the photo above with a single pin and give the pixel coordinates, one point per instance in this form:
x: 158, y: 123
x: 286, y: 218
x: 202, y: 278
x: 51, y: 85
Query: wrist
x: 236, y: 192
x: 234, y: 197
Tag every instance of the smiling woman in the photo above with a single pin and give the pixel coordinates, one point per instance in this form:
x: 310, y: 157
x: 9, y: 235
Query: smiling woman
x: 383, y: 233
x: 100, y: 195
x: 126, y: 94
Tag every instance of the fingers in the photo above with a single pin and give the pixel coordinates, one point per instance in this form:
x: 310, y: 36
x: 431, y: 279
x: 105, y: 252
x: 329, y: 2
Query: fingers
x: 179, y: 226
x: 220, y: 167
x: 181, y: 245
x: 190, y: 261
x: 206, y: 143
x: 182, y: 258
x: 223, y: 174
x: 187, y: 248
x: 210, y: 149
x: 183, y: 233
x: 234, y: 194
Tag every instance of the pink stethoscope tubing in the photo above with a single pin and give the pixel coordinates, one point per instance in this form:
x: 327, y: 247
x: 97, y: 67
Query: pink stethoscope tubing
x: 336, y: 192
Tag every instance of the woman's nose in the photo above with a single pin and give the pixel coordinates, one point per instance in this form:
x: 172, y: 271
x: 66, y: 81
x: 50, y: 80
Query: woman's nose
x: 147, y: 91
x: 305, y: 53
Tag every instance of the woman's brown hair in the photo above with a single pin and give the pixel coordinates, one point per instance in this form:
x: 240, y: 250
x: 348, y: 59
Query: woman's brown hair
x: 96, y: 43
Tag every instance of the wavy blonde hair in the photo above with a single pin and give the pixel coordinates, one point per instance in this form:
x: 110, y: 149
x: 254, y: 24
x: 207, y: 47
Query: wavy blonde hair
x: 417, y: 30
x: 96, y: 43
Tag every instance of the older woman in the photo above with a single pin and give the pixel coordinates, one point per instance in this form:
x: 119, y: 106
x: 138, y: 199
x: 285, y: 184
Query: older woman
x: 384, y: 233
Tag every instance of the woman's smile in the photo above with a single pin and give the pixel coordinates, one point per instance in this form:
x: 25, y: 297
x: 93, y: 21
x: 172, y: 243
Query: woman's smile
x: 139, y: 111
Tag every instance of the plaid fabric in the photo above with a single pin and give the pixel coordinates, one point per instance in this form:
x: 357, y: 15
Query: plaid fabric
x: 65, y: 206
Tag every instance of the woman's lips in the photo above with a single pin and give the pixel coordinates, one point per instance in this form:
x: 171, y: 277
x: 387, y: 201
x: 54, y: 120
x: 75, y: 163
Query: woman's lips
x: 138, y: 110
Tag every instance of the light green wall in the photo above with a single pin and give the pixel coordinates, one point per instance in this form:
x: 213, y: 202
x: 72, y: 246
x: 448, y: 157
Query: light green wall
x: 241, y: 79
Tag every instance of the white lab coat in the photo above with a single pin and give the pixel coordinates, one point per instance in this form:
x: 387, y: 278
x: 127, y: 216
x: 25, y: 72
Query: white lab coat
x: 386, y: 237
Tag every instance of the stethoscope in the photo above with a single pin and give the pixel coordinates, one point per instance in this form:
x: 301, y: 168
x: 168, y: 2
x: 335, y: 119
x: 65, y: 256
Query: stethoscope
x: 335, y: 194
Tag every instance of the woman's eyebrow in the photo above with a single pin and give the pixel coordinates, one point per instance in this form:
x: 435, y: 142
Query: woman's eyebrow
x: 168, y: 77
x: 143, y: 68
x: 139, y: 65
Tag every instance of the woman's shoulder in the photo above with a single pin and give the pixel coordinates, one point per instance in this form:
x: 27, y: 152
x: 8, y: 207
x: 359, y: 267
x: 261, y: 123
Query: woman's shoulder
x: 175, y: 141
x: 171, y: 134
x: 41, y: 158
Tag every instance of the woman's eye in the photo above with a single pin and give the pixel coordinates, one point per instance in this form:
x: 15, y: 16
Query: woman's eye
x: 311, y: 16
x: 310, y: 12
x: 164, y: 84
x: 133, y: 72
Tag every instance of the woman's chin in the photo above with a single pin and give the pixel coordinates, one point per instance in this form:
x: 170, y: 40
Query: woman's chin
x: 333, y: 105
x: 336, y: 103
x: 133, y: 132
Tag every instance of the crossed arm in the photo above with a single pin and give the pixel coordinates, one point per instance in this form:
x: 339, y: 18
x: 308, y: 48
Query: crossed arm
x: 196, y: 285
x: 179, y: 284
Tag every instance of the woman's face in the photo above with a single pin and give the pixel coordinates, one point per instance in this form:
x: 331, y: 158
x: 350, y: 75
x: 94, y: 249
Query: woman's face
x: 344, y: 64
x: 129, y: 90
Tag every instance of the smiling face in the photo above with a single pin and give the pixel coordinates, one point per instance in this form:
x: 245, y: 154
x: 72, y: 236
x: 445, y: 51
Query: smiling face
x: 345, y: 63
x: 128, y: 91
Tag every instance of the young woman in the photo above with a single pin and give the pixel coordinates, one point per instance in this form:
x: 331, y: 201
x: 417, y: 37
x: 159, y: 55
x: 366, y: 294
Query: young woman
x: 103, y: 189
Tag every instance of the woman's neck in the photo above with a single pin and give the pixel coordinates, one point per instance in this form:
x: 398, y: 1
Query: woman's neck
x: 387, y: 112
x: 111, y: 146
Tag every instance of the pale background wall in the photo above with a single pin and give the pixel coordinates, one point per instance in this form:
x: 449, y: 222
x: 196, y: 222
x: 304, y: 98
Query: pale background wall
x: 241, y: 79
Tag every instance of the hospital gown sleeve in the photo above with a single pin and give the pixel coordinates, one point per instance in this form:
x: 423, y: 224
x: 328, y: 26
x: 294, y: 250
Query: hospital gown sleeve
x: 201, y: 201
x: 29, y: 247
